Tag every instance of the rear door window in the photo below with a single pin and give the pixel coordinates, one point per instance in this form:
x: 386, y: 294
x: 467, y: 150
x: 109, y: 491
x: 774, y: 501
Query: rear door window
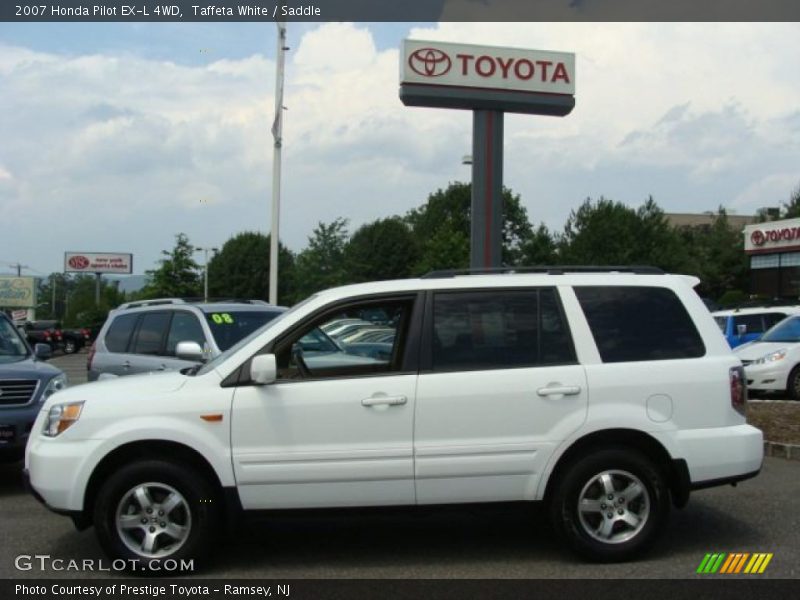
x: 631, y: 324
x: 119, y: 332
x: 499, y: 329
x: 151, y: 333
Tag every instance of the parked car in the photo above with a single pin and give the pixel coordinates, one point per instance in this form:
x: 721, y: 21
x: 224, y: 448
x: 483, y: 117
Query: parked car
x: 607, y: 395
x: 73, y: 340
x: 25, y: 383
x: 772, y: 362
x: 742, y: 325
x: 169, y: 334
x: 44, y: 332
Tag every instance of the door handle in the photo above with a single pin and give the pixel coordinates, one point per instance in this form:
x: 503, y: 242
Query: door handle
x: 126, y: 364
x: 559, y: 390
x: 162, y: 368
x: 384, y: 401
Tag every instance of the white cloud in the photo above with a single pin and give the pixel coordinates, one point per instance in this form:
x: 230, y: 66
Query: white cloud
x: 126, y: 151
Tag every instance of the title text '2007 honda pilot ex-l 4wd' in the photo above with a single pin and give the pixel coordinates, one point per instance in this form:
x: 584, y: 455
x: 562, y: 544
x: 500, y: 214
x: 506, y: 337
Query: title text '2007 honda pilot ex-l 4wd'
x: 608, y: 395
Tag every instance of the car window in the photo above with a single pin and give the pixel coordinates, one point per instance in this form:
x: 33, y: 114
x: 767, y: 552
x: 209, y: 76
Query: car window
x: 787, y: 330
x: 722, y: 323
x: 771, y: 319
x: 185, y: 327
x: 151, y: 333
x: 228, y: 327
x: 632, y: 324
x: 119, y: 332
x: 311, y: 353
x: 12, y: 348
x: 499, y: 329
x: 754, y: 323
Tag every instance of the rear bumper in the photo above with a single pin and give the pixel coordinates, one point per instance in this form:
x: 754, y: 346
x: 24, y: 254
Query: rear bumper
x: 719, y: 455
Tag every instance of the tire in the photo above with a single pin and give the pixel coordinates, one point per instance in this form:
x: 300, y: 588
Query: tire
x: 70, y: 347
x: 598, y: 532
x: 793, y: 384
x: 188, y: 529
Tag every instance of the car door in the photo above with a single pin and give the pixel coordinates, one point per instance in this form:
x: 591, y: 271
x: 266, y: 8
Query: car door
x: 499, y: 388
x: 332, y: 430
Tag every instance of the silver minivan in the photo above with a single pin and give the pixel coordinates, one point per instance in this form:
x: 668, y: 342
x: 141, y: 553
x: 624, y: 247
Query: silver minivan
x: 171, y: 334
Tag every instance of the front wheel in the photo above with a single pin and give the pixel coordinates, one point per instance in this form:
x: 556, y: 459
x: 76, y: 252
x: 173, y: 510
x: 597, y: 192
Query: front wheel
x: 610, y: 505
x: 793, y: 384
x: 154, y: 510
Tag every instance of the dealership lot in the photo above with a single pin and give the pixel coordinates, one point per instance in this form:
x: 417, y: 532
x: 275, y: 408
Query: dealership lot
x: 499, y: 541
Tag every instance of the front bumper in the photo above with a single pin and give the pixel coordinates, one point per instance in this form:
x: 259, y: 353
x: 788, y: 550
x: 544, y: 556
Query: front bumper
x: 16, y: 423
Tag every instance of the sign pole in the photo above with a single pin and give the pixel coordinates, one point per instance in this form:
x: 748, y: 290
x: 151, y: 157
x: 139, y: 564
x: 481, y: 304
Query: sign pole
x: 486, y: 234
x: 97, y: 289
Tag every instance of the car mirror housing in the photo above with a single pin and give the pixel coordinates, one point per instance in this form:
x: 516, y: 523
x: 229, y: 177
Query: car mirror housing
x: 42, y: 351
x: 263, y: 369
x: 189, y: 351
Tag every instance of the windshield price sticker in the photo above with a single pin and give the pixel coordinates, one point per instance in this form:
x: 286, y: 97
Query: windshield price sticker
x: 222, y: 318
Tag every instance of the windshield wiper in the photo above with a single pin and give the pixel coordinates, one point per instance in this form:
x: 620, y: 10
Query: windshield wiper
x: 190, y: 371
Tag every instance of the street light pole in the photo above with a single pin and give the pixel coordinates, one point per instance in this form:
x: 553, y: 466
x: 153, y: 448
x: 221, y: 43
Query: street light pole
x: 205, y: 269
x: 277, y: 135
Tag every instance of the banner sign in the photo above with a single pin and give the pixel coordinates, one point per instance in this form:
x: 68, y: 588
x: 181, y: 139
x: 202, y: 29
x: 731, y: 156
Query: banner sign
x: 17, y: 292
x: 96, y: 262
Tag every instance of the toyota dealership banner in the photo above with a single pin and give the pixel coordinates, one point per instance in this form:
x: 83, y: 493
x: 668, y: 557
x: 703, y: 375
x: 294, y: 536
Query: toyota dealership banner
x: 471, y: 66
x: 98, y: 262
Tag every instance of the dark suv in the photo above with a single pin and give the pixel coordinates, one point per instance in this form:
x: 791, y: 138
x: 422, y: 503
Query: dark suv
x: 25, y: 382
x: 170, y: 334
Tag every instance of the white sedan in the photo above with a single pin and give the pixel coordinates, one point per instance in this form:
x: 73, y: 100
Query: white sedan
x: 772, y: 362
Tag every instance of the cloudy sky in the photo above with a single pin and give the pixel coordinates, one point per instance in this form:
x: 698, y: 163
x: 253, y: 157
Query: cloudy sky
x: 115, y: 137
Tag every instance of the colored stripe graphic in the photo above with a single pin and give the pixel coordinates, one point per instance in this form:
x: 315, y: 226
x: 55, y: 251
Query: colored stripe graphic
x: 733, y: 563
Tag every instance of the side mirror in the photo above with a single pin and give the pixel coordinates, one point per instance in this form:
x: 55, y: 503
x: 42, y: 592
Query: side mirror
x: 741, y: 329
x: 189, y: 351
x: 43, y: 351
x: 263, y: 369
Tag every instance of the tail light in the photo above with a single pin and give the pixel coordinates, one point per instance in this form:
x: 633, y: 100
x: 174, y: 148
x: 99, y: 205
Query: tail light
x: 46, y: 336
x: 57, y: 334
x: 738, y: 390
x: 85, y: 333
x: 90, y: 357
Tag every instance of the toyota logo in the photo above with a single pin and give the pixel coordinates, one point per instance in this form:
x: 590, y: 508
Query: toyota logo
x: 429, y: 62
x: 78, y: 262
x: 758, y: 238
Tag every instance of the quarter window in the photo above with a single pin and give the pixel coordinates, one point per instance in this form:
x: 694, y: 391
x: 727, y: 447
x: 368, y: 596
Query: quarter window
x: 499, y: 330
x: 632, y: 324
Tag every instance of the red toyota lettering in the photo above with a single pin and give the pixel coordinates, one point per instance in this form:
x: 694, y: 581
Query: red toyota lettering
x: 560, y: 73
x: 465, y: 59
x: 525, y: 73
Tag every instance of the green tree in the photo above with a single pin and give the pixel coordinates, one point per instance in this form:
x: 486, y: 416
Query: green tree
x: 322, y: 264
x: 539, y: 248
x: 791, y: 209
x: 241, y: 269
x: 75, y: 303
x: 719, y: 258
x: 383, y: 249
x: 178, y: 274
x: 442, y: 228
x: 606, y: 232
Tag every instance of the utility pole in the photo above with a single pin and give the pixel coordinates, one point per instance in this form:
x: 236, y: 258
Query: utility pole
x: 277, y: 136
x: 19, y: 268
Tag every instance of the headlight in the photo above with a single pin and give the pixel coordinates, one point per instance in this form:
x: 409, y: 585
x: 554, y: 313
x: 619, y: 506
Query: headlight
x: 61, y: 417
x: 774, y: 356
x: 56, y: 384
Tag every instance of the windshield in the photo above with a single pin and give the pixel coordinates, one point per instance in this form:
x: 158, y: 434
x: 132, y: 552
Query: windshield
x: 218, y: 360
x: 12, y: 346
x: 787, y: 330
x: 231, y: 326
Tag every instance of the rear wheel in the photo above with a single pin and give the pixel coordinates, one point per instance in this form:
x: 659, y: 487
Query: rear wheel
x: 70, y: 347
x: 155, y: 510
x: 610, y: 505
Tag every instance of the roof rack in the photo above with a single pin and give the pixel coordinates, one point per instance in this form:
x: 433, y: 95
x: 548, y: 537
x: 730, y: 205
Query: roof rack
x: 239, y: 301
x: 153, y: 302
x: 549, y: 270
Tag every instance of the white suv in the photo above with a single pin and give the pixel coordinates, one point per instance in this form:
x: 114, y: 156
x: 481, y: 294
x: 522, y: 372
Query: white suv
x: 607, y: 395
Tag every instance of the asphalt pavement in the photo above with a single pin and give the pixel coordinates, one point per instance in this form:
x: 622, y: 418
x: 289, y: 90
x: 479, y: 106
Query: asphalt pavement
x: 489, y: 541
